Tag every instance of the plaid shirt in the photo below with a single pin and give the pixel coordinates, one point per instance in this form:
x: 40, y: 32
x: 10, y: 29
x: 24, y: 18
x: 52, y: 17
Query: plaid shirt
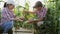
x: 41, y: 13
x: 7, y: 15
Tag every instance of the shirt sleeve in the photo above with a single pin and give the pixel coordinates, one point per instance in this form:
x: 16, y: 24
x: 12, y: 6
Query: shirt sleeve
x: 6, y: 15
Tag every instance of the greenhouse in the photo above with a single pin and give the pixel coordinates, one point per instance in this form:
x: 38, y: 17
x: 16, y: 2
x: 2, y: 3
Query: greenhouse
x: 26, y: 21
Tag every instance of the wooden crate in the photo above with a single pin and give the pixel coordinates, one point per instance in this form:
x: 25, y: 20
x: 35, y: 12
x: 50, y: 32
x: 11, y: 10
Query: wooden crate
x: 22, y: 31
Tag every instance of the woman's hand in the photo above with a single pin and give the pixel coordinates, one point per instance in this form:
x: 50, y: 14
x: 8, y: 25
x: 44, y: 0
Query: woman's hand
x: 16, y: 18
x: 22, y: 18
x: 19, y: 18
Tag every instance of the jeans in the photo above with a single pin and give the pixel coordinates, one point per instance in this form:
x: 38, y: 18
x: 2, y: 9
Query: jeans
x: 7, y: 25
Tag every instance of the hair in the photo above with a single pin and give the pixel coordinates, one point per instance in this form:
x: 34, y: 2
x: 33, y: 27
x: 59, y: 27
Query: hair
x: 38, y: 4
x: 5, y: 4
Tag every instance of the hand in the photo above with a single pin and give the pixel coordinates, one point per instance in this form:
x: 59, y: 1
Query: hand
x: 22, y: 18
x: 16, y: 18
x: 30, y: 21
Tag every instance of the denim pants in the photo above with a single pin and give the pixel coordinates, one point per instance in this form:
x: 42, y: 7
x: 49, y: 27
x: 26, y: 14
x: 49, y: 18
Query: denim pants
x: 7, y: 25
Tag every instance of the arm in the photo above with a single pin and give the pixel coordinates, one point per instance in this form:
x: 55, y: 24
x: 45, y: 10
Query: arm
x: 4, y: 14
x: 35, y: 21
x: 40, y: 19
x: 29, y: 11
x: 7, y: 16
x: 43, y: 14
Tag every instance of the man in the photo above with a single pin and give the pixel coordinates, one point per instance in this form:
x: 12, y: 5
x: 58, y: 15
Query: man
x: 40, y: 12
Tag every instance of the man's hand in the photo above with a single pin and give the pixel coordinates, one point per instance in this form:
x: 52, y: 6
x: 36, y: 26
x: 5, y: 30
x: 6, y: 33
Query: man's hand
x: 30, y: 20
x: 33, y: 21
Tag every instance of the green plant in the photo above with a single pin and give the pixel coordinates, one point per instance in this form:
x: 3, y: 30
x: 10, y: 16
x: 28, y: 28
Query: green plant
x: 51, y: 24
x: 0, y: 15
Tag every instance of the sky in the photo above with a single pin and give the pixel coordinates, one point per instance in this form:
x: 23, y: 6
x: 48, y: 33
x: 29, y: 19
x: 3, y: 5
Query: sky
x: 22, y: 3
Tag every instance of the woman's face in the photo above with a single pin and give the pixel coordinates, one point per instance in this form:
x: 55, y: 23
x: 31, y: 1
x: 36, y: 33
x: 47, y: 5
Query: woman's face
x: 10, y: 6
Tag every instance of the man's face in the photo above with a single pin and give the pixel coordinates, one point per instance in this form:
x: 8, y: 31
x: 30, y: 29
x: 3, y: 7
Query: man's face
x: 38, y: 8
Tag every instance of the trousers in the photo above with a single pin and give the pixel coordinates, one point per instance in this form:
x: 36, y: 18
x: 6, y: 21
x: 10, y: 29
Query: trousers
x: 7, y: 26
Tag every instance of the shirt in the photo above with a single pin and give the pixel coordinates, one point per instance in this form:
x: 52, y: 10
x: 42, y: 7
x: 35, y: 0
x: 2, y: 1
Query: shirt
x: 7, y: 15
x: 41, y: 13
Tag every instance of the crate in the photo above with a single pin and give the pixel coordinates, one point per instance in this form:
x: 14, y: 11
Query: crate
x: 22, y: 31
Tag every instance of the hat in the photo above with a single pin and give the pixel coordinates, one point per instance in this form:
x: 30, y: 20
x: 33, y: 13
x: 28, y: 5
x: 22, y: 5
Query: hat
x: 11, y: 2
x: 38, y: 4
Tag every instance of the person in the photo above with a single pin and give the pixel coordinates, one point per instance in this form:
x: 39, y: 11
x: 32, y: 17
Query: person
x: 40, y: 12
x: 8, y: 16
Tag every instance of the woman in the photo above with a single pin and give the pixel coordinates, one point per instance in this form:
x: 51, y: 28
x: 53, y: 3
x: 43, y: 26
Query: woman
x: 8, y: 16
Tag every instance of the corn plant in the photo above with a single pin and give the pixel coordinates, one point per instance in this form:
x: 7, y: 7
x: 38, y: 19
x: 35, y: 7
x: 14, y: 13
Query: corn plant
x: 19, y: 12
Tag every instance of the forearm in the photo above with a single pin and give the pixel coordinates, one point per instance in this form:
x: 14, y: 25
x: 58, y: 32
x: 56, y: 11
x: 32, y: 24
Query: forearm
x: 11, y: 18
x: 29, y: 12
x: 40, y: 19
